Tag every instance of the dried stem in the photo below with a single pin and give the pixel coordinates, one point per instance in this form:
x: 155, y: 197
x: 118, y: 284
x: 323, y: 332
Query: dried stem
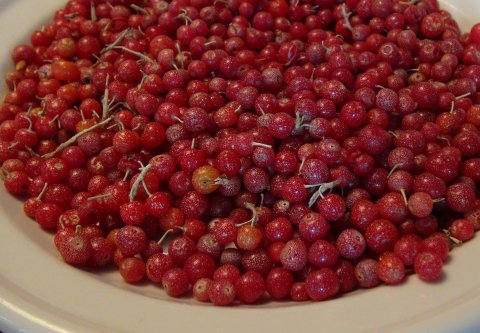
x: 462, y: 96
x: 117, y: 41
x: 404, y: 196
x: 346, y: 17
x: 74, y: 138
x: 138, y: 180
x: 456, y: 241
x: 99, y: 196
x: 142, y: 56
x: 93, y: 13
x: 254, y: 218
x: 42, y: 192
x: 139, y: 9
x: 299, y: 119
x: 258, y: 144
x: 322, y: 188
x: 164, y: 236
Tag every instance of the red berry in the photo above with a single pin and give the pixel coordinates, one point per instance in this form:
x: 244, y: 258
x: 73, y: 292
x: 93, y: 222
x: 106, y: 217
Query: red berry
x: 221, y: 292
x: 428, y: 266
x: 175, y: 281
x: 322, y: 284
x: 75, y: 249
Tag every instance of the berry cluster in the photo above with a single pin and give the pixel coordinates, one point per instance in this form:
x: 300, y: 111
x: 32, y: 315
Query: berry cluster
x: 297, y: 150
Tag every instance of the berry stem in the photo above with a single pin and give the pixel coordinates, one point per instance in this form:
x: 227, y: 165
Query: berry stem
x: 299, y: 119
x: 346, y: 17
x: 441, y: 137
x: 100, y: 196
x: 142, y: 56
x: 456, y: 241
x: 164, y: 236
x: 93, y: 13
x: 146, y: 188
x: 322, y: 188
x: 462, y: 96
x: 301, y: 166
x: 42, y: 192
x: 136, y: 184
x: 177, y: 119
x: 404, y: 196
x: 258, y: 144
x: 117, y: 41
x: 409, y: 3
x: 105, y: 103
x: 254, y: 218
x: 222, y: 180
x: 394, y: 168
x: 138, y: 9
x: 75, y: 138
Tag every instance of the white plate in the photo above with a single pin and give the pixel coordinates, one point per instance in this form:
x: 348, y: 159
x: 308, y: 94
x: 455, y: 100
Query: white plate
x: 39, y: 293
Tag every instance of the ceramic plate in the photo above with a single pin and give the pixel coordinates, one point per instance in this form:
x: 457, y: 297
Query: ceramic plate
x: 39, y: 293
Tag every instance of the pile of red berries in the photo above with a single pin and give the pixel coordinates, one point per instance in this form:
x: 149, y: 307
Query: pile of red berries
x: 294, y: 150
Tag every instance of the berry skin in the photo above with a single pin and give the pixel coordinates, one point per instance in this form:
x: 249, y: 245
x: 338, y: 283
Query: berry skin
x: 228, y: 163
x: 428, y: 266
x: 225, y: 231
x: 200, y: 289
x: 131, y: 240
x: 133, y: 213
x: 281, y: 125
x: 462, y: 230
x: 366, y: 272
x: 381, y: 235
x: 351, y: 244
x: 407, y: 247
x: 75, y: 249
x: 157, y: 204
x: 249, y: 237
x: 279, y: 229
x: 126, y: 141
x: 373, y: 140
x: 250, y: 287
x: 203, y: 179
x: 47, y: 215
x: 313, y: 226
x: 460, y: 197
x: 157, y: 265
x: 279, y: 283
x: 294, y: 255
x: 294, y: 190
x: 475, y: 33
x: 332, y: 207
x: 391, y: 269
x: 420, y: 204
x: 175, y: 282
x: 199, y: 265
x: 322, y: 284
x: 323, y: 254
x: 227, y: 272
x: 16, y: 182
x: 102, y: 252
x: 221, y: 292
x: 132, y: 269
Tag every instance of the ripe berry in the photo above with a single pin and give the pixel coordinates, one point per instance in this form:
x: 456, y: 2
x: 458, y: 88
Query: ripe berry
x: 175, y: 282
x: 132, y: 269
x: 221, y: 292
x: 428, y: 266
x: 322, y: 284
x: 75, y: 249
